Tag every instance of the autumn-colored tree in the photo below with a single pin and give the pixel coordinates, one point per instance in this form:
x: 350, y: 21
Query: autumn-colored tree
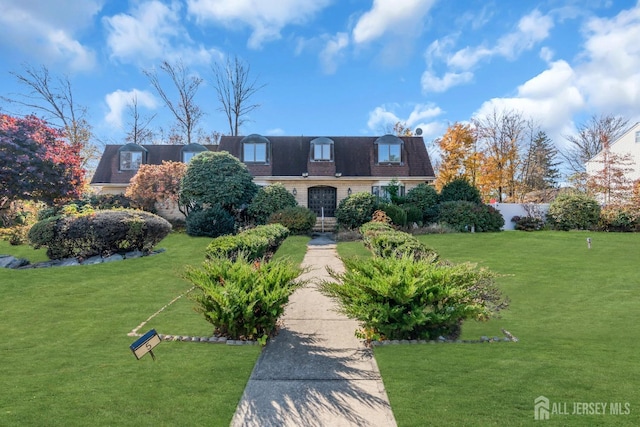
x: 460, y: 157
x: 501, y: 136
x: 610, y: 181
x: 37, y: 163
x: 157, y: 184
x: 401, y: 129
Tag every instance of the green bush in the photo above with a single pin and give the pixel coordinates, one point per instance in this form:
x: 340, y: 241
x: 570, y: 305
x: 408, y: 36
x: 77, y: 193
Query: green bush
x: 404, y: 298
x: 243, y: 299
x: 396, y: 213
x: 619, y: 218
x: 374, y: 227
x: 100, y: 233
x: 414, y: 214
x: 467, y: 216
x: 573, y: 211
x: 425, y: 197
x: 253, y: 244
x: 269, y: 200
x: 527, y: 223
x: 389, y: 243
x: 210, y: 222
x: 460, y: 190
x: 355, y: 210
x: 298, y: 219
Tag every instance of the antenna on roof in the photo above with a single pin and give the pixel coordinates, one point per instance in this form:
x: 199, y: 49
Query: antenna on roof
x: 418, y: 131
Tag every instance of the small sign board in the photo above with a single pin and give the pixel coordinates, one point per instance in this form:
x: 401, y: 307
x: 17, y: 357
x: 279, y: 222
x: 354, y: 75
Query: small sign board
x: 145, y: 344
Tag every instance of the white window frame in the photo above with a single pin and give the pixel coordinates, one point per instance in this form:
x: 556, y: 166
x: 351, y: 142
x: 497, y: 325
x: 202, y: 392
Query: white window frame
x: 326, y: 152
x: 251, y: 151
x: 385, y: 154
x: 130, y: 160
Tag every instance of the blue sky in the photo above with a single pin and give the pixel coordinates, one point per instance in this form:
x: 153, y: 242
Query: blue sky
x: 340, y: 67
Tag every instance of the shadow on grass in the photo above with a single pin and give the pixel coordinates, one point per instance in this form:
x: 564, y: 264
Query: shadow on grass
x: 298, y: 381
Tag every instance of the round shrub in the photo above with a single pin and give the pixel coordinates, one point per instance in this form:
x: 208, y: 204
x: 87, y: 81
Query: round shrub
x: 355, y: 210
x: 414, y: 214
x: 269, y: 200
x: 210, y: 222
x: 396, y: 213
x: 100, y: 233
x: 298, y: 219
x: 527, y: 223
x: 619, y: 218
x: 467, y: 216
x: 573, y: 211
x: 425, y: 197
x: 460, y: 189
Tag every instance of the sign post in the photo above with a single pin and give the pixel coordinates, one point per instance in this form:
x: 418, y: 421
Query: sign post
x: 145, y: 344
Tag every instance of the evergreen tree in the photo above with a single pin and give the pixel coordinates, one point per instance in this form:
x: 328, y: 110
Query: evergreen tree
x: 539, y: 170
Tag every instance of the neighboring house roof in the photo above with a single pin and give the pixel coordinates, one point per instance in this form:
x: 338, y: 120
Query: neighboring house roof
x: 290, y: 156
x: 628, y: 137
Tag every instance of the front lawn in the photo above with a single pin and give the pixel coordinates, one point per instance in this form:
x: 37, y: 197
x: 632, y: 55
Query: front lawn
x: 64, y: 349
x: 575, y: 312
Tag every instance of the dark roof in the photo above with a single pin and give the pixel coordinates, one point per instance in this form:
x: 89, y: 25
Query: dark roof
x: 289, y: 156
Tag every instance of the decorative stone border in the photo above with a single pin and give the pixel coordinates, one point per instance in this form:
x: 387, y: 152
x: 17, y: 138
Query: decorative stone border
x: 9, y: 261
x: 441, y: 340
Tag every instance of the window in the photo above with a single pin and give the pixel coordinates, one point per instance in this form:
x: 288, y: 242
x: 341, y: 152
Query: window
x: 382, y: 192
x: 190, y: 150
x: 131, y: 156
x: 130, y: 160
x: 389, y: 149
x: 638, y: 136
x: 187, y: 156
x: 255, y: 149
x: 322, y: 149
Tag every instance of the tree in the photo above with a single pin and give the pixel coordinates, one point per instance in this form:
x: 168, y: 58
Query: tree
x: 53, y: 97
x: 588, y: 141
x: 611, y: 182
x: 186, y: 112
x: 501, y: 135
x: 401, y: 129
x: 460, y: 156
x: 216, y: 178
x: 460, y: 190
x: 234, y: 89
x: 157, y: 184
x: 539, y: 167
x: 269, y: 200
x: 36, y: 163
x: 139, y: 131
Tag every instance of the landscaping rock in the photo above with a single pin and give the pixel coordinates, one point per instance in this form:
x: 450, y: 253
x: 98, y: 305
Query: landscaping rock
x: 114, y: 257
x: 133, y: 254
x: 8, y: 261
x: 93, y: 260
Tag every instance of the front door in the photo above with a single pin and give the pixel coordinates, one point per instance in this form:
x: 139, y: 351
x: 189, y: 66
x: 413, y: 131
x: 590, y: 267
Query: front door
x: 322, y: 197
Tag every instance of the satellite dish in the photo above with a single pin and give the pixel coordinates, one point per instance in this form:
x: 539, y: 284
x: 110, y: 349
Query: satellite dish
x: 419, y: 131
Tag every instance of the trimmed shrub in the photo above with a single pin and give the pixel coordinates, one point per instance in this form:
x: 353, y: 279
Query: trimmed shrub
x: 527, y: 223
x: 467, y: 216
x: 425, y: 197
x: 397, y: 244
x: 210, y: 222
x: 460, y: 190
x: 397, y: 215
x: 573, y: 211
x: 253, y: 244
x: 404, y: 298
x: 100, y: 233
x: 355, y: 210
x: 414, y: 214
x: 619, y: 218
x: 269, y: 200
x: 298, y: 219
x: 373, y: 227
x: 241, y: 298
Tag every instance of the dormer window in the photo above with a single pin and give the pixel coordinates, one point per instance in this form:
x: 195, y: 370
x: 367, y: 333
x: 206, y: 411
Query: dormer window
x: 190, y: 150
x: 322, y: 150
x: 255, y: 149
x: 132, y: 156
x: 389, y: 149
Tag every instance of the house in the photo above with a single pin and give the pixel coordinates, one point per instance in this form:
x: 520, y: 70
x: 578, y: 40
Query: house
x: 627, y: 144
x: 318, y: 171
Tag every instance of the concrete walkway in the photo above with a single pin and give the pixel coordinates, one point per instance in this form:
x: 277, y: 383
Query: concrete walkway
x: 315, y: 372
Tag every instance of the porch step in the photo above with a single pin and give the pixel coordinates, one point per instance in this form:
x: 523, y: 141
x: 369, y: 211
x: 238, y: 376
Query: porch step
x: 330, y: 224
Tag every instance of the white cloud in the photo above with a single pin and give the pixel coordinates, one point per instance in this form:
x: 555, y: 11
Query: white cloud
x: 47, y: 31
x: 119, y: 100
x: 153, y: 31
x: 275, y: 132
x: 333, y: 51
x: 432, y: 83
x: 266, y: 19
x: 383, y: 118
x: 532, y: 28
x: 391, y: 16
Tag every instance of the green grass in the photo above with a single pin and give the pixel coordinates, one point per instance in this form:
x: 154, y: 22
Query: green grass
x: 64, y: 349
x: 575, y: 312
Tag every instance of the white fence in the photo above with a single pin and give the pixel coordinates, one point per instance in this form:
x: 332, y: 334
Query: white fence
x: 509, y: 210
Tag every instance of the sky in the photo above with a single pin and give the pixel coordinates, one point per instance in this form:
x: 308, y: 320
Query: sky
x: 337, y: 67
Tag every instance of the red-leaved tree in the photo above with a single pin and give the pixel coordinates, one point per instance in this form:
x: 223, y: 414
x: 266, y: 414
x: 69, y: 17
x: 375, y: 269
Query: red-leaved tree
x: 157, y: 184
x: 36, y: 162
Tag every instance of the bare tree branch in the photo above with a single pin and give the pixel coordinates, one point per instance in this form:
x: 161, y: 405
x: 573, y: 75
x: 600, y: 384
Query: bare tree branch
x: 139, y: 131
